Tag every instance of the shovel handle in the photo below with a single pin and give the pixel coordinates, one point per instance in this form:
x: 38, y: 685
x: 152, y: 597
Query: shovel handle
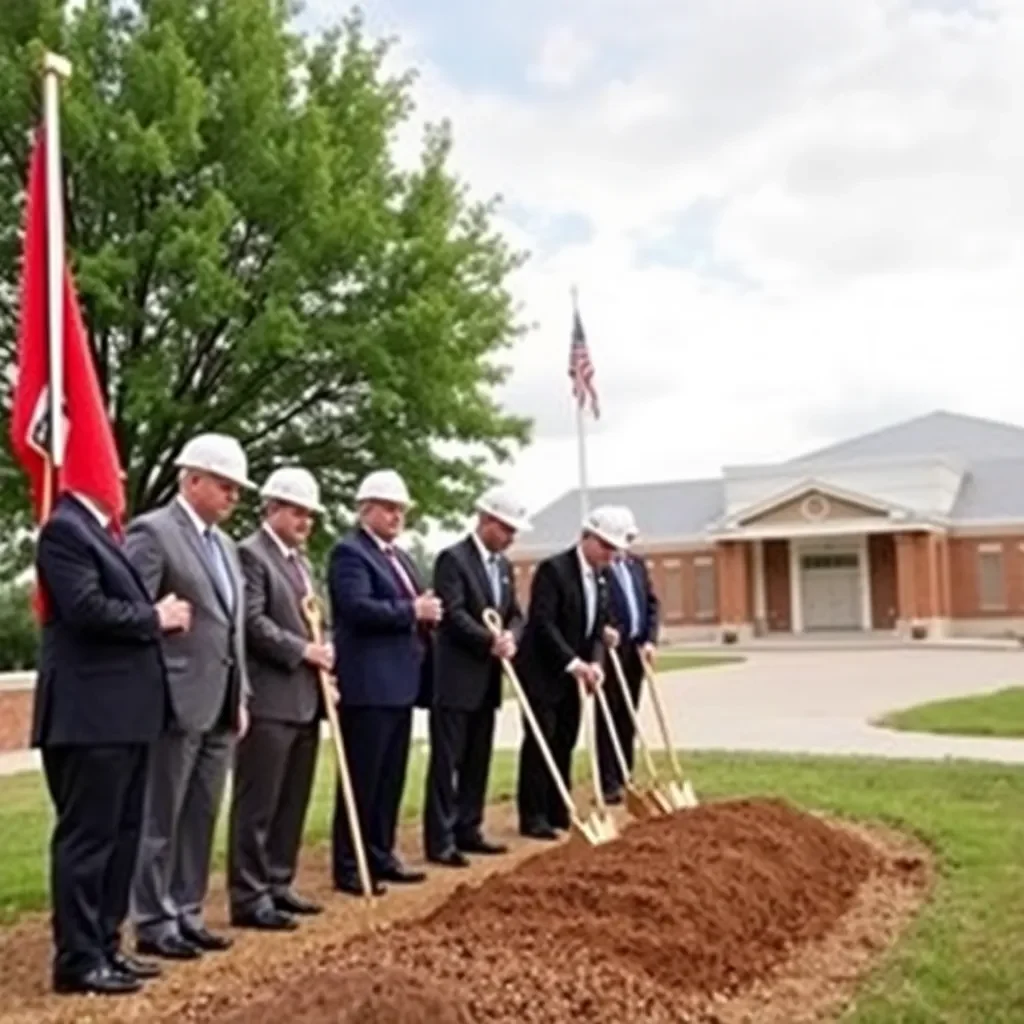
x: 590, y: 724
x: 492, y: 620
x: 628, y: 701
x: 314, y: 619
x: 609, y: 722
x: 659, y: 711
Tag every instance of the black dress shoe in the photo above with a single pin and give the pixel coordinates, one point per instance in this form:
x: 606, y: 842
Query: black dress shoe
x: 354, y: 887
x: 477, y: 844
x: 292, y: 903
x: 204, y: 939
x: 100, y: 981
x: 170, y: 947
x: 613, y: 798
x: 141, y: 969
x: 402, y: 876
x: 545, y: 832
x: 450, y: 859
x: 268, y: 919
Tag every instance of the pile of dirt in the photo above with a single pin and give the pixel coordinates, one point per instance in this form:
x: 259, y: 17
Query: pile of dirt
x: 674, y: 918
x: 364, y: 996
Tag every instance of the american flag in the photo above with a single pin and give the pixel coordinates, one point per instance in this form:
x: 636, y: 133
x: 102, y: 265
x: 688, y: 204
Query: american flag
x: 581, y: 369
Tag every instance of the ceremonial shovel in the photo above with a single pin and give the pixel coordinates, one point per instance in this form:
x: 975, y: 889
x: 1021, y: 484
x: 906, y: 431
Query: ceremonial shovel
x: 579, y: 828
x: 314, y: 617
x: 679, y: 790
x: 640, y: 805
x: 599, y: 821
x: 660, y: 799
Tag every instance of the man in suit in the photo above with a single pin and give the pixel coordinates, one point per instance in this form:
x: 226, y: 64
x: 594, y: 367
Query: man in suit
x: 275, y: 763
x: 469, y: 577
x: 101, y: 700
x: 181, y: 549
x: 634, y: 612
x: 383, y: 621
x: 567, y: 626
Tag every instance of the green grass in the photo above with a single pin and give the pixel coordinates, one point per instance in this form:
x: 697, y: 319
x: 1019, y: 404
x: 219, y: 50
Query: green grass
x: 960, y: 962
x: 988, y: 714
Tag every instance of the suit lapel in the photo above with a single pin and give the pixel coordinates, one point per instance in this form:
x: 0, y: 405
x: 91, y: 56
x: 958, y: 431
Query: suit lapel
x: 84, y: 516
x: 470, y: 558
x: 194, y: 541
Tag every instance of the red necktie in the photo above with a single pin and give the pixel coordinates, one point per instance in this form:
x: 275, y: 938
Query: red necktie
x: 399, y: 571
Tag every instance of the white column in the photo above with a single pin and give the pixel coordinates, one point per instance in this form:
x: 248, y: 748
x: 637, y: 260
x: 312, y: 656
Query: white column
x: 865, y: 584
x: 760, y: 595
x: 795, y: 595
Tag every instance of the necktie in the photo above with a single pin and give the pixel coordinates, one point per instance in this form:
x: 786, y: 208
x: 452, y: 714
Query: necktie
x: 298, y: 574
x: 494, y: 572
x: 626, y: 582
x: 399, y: 571
x: 589, y: 599
x: 220, y: 569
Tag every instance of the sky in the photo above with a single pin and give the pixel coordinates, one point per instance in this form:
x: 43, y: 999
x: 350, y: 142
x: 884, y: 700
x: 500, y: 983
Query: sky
x: 789, y: 221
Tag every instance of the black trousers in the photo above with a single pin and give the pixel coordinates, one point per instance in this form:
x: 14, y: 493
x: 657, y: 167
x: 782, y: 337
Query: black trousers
x: 98, y: 794
x: 377, y: 745
x: 537, y: 798
x: 608, y: 765
x: 460, y: 763
x: 273, y: 781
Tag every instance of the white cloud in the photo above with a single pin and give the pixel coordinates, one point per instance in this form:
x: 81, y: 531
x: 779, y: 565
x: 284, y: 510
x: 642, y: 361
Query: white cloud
x: 867, y: 169
x: 563, y: 57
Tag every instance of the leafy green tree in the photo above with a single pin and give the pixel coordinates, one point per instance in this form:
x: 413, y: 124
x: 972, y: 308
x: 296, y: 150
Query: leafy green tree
x: 250, y: 256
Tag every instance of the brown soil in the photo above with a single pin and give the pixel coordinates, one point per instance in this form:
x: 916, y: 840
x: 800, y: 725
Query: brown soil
x: 737, y: 912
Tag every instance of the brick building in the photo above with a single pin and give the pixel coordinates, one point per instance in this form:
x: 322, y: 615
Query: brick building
x: 915, y: 527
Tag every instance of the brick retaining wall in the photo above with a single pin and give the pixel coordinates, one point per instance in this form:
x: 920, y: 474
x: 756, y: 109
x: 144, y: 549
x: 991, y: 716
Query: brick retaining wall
x: 15, y: 719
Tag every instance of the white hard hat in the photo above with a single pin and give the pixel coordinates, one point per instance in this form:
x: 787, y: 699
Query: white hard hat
x: 295, y: 485
x: 504, y: 506
x: 611, y: 523
x: 383, y: 485
x: 633, y: 531
x: 218, y: 454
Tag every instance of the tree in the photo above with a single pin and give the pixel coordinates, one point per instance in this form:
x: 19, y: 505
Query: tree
x: 250, y: 256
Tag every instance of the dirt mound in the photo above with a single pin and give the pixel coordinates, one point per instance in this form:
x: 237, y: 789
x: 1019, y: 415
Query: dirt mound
x: 674, y: 917
x: 363, y: 996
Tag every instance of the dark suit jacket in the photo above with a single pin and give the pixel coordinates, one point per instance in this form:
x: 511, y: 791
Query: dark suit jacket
x: 284, y: 687
x: 381, y: 656
x: 466, y: 675
x: 101, y: 676
x: 646, y: 599
x: 555, y: 630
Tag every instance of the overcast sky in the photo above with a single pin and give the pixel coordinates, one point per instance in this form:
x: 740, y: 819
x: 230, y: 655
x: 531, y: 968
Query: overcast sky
x: 789, y: 220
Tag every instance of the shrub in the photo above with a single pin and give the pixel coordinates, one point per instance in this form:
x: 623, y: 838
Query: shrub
x: 19, y: 633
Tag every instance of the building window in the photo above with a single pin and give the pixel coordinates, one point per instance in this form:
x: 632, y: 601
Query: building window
x: 672, y: 576
x: 991, y: 578
x: 705, y: 589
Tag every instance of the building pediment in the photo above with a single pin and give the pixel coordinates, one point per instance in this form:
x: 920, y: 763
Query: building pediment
x: 813, y: 505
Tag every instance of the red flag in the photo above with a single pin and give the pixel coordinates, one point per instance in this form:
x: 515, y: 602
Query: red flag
x: 91, y: 465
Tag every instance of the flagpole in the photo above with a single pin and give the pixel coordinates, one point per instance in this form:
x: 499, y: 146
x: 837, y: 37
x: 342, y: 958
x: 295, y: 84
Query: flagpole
x: 55, y: 68
x: 581, y: 433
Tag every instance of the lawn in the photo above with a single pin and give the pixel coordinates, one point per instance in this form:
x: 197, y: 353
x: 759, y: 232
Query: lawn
x: 988, y: 714
x: 961, y: 961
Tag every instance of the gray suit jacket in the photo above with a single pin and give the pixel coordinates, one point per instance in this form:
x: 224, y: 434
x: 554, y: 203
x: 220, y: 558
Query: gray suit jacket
x: 284, y: 687
x: 206, y: 670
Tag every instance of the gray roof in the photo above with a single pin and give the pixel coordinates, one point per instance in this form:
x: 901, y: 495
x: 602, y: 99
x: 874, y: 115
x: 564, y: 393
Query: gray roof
x: 993, y: 489
x: 664, y: 511
x: 993, y: 484
x: 970, y: 438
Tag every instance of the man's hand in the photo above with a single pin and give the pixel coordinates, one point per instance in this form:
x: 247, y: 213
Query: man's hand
x: 504, y: 646
x: 173, y: 614
x: 597, y: 676
x: 650, y: 655
x: 610, y: 636
x: 333, y: 692
x: 587, y: 675
x: 427, y: 607
x: 319, y: 656
x: 243, y: 721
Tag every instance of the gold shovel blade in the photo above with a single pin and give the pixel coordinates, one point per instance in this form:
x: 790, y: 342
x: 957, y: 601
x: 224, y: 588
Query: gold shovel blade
x: 681, y: 797
x: 639, y: 806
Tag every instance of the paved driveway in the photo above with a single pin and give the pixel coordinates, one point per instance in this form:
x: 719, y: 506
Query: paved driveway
x: 821, y: 701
